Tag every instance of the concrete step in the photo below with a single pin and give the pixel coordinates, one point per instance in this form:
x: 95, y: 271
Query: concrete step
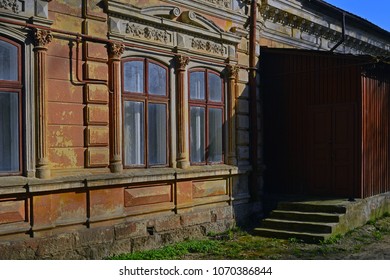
x: 312, y: 207
x: 305, y: 216
x: 298, y: 226
x: 284, y: 234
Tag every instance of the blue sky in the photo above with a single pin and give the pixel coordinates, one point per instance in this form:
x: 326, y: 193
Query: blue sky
x: 375, y: 11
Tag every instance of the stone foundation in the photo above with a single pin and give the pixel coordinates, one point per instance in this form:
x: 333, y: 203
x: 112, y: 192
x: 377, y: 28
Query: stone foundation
x: 108, y: 240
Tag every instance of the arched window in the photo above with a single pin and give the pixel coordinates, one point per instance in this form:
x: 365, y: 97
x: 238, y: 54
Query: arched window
x: 206, y: 105
x: 10, y: 107
x: 145, y: 113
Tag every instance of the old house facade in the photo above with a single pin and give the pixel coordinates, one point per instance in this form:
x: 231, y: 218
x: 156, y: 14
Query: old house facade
x: 129, y: 124
x: 124, y: 125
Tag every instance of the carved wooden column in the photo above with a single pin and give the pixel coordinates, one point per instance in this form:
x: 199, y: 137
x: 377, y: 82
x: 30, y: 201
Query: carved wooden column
x: 41, y: 39
x: 182, y: 152
x: 232, y: 71
x: 115, y: 53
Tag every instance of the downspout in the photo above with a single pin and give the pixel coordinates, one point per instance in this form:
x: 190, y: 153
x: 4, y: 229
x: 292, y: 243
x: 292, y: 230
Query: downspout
x: 343, y: 35
x: 253, y: 188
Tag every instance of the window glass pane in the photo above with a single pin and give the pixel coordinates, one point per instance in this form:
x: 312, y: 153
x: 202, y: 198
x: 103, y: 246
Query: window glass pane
x: 134, y: 133
x: 157, y: 79
x: 9, y: 132
x: 134, y: 76
x: 214, y: 87
x: 215, y: 135
x: 197, y: 85
x: 197, y: 134
x: 157, y: 133
x: 8, y: 61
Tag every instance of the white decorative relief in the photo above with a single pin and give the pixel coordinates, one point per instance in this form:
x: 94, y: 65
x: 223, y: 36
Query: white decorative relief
x: 148, y: 33
x: 221, y: 3
x: 26, y: 8
x: 208, y: 46
x: 42, y: 8
x: 14, y: 6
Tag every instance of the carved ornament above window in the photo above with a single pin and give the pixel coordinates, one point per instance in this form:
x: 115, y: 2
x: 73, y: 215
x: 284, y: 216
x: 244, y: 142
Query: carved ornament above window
x: 221, y: 3
x: 149, y: 33
x: 11, y: 5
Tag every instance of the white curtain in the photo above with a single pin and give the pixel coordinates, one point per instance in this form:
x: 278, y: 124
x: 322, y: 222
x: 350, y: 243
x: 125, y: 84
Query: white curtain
x: 197, y: 134
x: 157, y: 134
x: 134, y: 137
x: 215, y: 135
x: 9, y: 132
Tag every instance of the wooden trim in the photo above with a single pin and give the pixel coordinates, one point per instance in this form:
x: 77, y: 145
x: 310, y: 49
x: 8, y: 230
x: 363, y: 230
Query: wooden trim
x: 16, y: 87
x: 207, y: 104
x: 147, y: 99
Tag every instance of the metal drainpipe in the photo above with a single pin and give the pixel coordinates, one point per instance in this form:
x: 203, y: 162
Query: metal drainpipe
x: 253, y: 99
x: 343, y: 35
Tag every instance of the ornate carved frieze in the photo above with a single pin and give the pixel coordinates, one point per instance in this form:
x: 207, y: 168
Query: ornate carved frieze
x: 36, y: 9
x: 208, y: 46
x: 221, y: 3
x: 11, y: 5
x: 169, y: 27
x: 148, y: 33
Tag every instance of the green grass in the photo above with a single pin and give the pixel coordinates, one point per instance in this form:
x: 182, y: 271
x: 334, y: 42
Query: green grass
x: 233, y: 244
x: 175, y: 251
x: 240, y: 245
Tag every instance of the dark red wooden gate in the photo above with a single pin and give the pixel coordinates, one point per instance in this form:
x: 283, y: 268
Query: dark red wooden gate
x: 331, y: 149
x: 326, y: 123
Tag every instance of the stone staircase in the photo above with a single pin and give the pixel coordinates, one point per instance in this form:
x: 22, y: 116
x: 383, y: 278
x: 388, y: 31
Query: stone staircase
x: 311, y: 221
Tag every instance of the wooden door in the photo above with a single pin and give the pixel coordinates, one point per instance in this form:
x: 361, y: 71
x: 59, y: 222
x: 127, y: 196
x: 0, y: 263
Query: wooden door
x: 331, y: 150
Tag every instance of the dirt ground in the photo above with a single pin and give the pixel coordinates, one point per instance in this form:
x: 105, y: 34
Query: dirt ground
x: 370, y: 242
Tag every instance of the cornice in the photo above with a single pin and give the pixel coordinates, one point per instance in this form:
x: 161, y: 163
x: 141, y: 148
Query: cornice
x: 311, y: 25
x: 233, y: 10
x: 190, y: 25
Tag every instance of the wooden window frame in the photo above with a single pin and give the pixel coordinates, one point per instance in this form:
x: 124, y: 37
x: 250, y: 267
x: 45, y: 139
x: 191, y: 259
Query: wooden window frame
x: 207, y: 104
x: 147, y: 99
x: 15, y: 86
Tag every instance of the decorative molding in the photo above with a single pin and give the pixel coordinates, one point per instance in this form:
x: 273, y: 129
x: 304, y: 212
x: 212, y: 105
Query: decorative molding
x: 11, y: 5
x: 148, y: 33
x: 311, y: 30
x: 232, y: 71
x: 162, y: 11
x: 181, y: 61
x: 196, y: 19
x: 116, y: 50
x: 153, y: 25
x: 182, y: 160
x: 207, y: 46
x: 42, y: 37
x: 221, y: 3
x: 42, y: 8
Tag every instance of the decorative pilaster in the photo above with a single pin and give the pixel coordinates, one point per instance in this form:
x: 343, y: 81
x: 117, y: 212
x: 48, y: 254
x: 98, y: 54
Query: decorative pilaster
x: 232, y: 71
x: 41, y: 39
x: 115, y: 52
x: 182, y: 152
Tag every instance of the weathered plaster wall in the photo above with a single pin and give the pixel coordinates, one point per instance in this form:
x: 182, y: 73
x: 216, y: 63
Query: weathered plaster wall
x: 79, y: 206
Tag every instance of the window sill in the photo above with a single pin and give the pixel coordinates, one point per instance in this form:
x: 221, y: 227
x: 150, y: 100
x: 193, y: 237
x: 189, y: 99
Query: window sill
x: 66, y: 180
